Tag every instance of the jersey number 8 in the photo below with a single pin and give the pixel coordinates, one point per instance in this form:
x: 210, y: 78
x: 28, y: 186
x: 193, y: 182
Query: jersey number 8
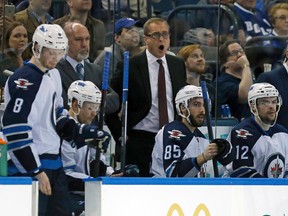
x: 18, y: 105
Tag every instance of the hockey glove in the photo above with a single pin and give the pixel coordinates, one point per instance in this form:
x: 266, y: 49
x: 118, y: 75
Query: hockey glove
x: 69, y: 129
x: 102, y: 139
x: 226, y: 153
x: 105, y: 141
x: 130, y: 170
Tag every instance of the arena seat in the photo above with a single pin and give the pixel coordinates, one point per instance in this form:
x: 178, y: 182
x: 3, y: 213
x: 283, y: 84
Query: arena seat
x: 260, y: 51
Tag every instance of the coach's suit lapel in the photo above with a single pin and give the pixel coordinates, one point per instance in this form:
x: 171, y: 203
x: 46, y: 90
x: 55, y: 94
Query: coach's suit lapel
x: 69, y: 71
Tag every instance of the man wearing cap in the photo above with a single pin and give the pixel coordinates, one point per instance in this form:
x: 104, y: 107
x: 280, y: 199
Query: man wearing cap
x: 127, y: 37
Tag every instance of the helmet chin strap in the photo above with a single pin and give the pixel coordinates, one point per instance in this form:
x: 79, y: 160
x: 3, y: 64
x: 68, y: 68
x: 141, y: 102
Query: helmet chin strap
x: 37, y: 58
x: 76, y: 113
x: 186, y: 117
x: 265, y: 126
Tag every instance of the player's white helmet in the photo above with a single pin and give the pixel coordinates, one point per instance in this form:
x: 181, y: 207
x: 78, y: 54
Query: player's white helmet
x: 84, y: 91
x: 261, y: 90
x: 51, y: 36
x: 184, y: 95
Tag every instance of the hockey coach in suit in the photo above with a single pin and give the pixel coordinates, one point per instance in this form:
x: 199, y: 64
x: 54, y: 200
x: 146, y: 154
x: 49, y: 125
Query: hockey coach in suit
x: 144, y: 114
x: 78, y: 52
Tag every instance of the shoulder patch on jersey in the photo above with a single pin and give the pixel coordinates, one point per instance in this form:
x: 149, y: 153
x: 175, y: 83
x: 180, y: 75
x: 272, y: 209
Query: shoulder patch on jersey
x: 176, y: 134
x: 242, y: 133
x: 23, y: 83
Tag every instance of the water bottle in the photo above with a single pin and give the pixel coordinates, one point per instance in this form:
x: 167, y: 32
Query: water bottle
x: 3, y: 157
x: 225, y: 111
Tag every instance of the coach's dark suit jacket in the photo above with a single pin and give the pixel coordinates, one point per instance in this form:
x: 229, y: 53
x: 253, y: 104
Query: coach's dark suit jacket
x: 139, y: 93
x: 92, y: 73
x: 278, y: 78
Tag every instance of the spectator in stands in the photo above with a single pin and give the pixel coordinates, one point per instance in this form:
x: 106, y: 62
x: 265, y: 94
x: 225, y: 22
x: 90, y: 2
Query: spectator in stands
x: 137, y: 10
x: 278, y: 16
x: 260, y: 144
x: 194, y: 61
x: 235, y: 80
x: 279, y: 78
x: 127, y: 37
x: 15, y: 43
x: 15, y: 46
x: 255, y: 21
x: 75, y: 65
x: 196, y: 68
x: 79, y: 11
x: 144, y: 112
x: 34, y: 15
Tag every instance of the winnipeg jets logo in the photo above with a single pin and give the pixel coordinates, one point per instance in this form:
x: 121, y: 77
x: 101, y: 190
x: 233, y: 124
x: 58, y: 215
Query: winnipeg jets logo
x: 23, y: 83
x: 274, y: 167
x: 276, y: 170
x: 176, y: 134
x: 242, y: 133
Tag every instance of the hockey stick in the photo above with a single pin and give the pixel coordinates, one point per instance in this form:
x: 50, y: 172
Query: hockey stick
x: 105, y: 81
x: 209, y: 124
x: 124, y: 109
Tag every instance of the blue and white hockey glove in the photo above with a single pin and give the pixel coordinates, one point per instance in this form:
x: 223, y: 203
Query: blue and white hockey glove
x: 69, y: 129
x: 102, y: 139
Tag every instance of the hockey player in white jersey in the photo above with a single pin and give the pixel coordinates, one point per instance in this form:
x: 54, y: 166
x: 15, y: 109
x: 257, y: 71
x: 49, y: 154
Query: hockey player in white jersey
x: 84, y: 99
x: 260, y: 143
x: 34, y: 117
x: 181, y: 150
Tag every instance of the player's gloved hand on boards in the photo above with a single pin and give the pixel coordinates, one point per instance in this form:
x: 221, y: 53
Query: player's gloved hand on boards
x: 226, y: 153
x: 130, y: 170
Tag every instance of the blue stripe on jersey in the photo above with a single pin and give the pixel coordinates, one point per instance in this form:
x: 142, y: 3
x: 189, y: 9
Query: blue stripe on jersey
x: 170, y: 168
x: 19, y: 144
x: 51, y: 164
x: 245, y: 172
x: 16, y: 129
x: 45, y: 164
